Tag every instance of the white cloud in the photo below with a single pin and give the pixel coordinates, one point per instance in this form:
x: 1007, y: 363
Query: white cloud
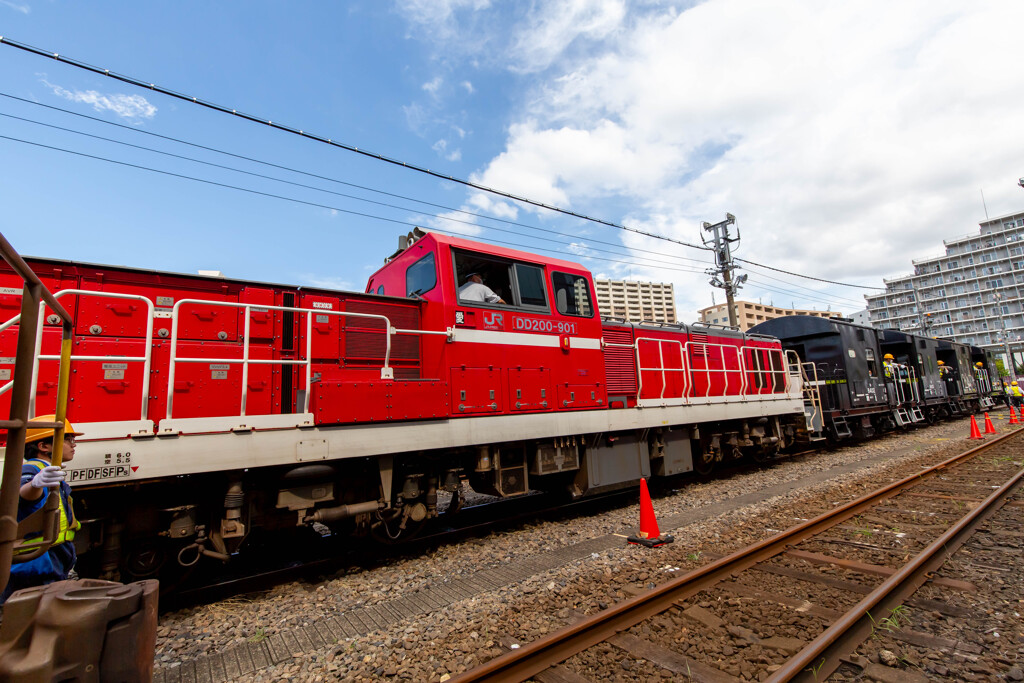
x: 16, y: 6
x: 133, y: 107
x: 847, y: 137
x: 432, y: 85
x: 468, y: 87
x: 441, y: 147
x: 553, y: 27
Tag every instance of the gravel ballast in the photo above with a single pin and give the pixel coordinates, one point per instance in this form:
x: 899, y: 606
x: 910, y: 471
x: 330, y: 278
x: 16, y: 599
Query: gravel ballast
x: 428, y: 617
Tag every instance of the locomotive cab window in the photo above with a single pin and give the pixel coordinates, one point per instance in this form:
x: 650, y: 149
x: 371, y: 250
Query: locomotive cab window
x: 572, y: 295
x: 421, y: 276
x: 487, y: 281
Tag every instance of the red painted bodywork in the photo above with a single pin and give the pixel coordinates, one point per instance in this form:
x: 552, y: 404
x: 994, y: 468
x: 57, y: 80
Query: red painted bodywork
x: 503, y: 359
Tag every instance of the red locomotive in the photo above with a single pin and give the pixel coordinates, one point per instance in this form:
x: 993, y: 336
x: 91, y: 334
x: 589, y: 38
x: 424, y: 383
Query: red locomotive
x: 214, y: 409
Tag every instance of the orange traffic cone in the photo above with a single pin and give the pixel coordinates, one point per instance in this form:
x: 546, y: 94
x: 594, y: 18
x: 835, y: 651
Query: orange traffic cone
x: 975, y: 434
x: 649, y: 536
x: 1013, y: 417
x: 989, y: 429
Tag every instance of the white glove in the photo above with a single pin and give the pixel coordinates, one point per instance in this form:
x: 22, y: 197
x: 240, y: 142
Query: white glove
x: 49, y: 476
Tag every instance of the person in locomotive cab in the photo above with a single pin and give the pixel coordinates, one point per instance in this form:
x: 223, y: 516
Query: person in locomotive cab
x: 38, y: 476
x: 475, y: 290
x: 943, y: 369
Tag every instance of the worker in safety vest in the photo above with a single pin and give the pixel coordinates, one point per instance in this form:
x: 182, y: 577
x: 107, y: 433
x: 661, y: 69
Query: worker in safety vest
x: 943, y: 369
x: 1015, y: 395
x: 38, y: 476
x: 887, y: 361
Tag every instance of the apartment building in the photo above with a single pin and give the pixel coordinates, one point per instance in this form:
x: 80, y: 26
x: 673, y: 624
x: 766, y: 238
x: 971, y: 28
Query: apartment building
x: 971, y: 294
x: 636, y: 301
x: 749, y: 314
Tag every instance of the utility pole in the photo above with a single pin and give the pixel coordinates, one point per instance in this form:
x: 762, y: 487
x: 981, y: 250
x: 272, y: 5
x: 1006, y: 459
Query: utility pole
x: 724, y: 265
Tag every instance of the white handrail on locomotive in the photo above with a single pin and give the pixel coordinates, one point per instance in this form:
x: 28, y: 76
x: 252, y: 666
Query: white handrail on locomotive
x: 661, y: 357
x: 145, y: 359
x: 724, y: 370
x: 761, y: 371
x: 687, y: 393
x: 386, y: 372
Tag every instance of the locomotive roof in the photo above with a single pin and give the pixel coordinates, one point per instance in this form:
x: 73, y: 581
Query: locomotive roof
x: 490, y: 249
x: 198, y: 277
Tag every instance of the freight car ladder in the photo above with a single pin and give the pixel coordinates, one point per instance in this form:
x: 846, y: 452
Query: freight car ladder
x: 813, y: 414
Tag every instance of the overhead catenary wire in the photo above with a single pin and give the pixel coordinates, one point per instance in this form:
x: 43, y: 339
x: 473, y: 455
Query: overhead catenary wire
x: 806, y: 277
x: 306, y: 186
x: 325, y: 140
x: 271, y: 195
x: 380, y: 157
x: 561, y: 252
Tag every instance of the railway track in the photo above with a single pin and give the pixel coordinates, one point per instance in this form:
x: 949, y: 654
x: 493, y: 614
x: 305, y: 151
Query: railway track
x: 798, y: 605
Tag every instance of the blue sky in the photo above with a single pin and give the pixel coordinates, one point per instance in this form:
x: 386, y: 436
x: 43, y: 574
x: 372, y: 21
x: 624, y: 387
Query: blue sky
x: 847, y: 138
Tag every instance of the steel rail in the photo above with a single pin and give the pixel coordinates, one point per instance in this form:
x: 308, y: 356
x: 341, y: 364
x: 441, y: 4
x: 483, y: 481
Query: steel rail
x: 531, y: 659
x: 820, y: 658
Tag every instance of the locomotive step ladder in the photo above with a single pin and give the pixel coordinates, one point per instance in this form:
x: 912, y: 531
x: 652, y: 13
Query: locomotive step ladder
x: 842, y: 428
x: 814, y: 422
x: 916, y: 415
x: 814, y: 416
x: 987, y: 402
x: 902, y: 418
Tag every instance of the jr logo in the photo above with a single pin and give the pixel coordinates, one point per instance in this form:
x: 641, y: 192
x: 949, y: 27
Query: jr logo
x: 494, y: 321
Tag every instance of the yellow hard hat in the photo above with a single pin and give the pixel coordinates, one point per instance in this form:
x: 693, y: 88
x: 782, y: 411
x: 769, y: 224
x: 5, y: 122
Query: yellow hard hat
x: 1013, y: 383
x: 46, y: 433
x: 941, y: 363
x: 978, y: 364
x: 887, y: 356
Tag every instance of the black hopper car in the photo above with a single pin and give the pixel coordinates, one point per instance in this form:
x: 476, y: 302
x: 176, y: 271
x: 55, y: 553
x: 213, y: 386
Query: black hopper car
x: 872, y: 381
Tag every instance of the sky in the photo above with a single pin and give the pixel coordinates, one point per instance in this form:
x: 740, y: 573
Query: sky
x: 846, y: 138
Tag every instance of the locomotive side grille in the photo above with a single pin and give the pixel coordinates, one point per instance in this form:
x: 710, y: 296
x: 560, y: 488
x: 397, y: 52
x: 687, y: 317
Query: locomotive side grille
x: 619, y: 363
x: 365, y: 337
x: 405, y: 317
x: 699, y: 346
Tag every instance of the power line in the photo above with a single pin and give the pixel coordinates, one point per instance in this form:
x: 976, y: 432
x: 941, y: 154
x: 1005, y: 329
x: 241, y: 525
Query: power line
x: 311, y: 187
x: 373, y: 155
x: 333, y: 208
x: 806, y: 277
x: 325, y: 140
x: 815, y: 292
x: 302, y: 185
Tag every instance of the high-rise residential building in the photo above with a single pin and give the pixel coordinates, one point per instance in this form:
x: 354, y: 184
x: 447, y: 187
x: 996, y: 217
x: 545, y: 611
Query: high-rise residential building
x: 636, y: 301
x: 971, y: 294
x: 749, y: 314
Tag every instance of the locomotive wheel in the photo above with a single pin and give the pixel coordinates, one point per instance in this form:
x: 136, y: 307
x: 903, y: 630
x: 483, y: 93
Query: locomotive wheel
x: 144, y: 561
x: 704, y: 463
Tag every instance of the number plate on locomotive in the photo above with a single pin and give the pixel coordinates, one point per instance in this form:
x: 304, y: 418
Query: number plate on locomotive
x: 521, y: 324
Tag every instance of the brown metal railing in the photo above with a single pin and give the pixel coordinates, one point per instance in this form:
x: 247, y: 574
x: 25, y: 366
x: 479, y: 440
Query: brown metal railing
x: 46, y: 520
